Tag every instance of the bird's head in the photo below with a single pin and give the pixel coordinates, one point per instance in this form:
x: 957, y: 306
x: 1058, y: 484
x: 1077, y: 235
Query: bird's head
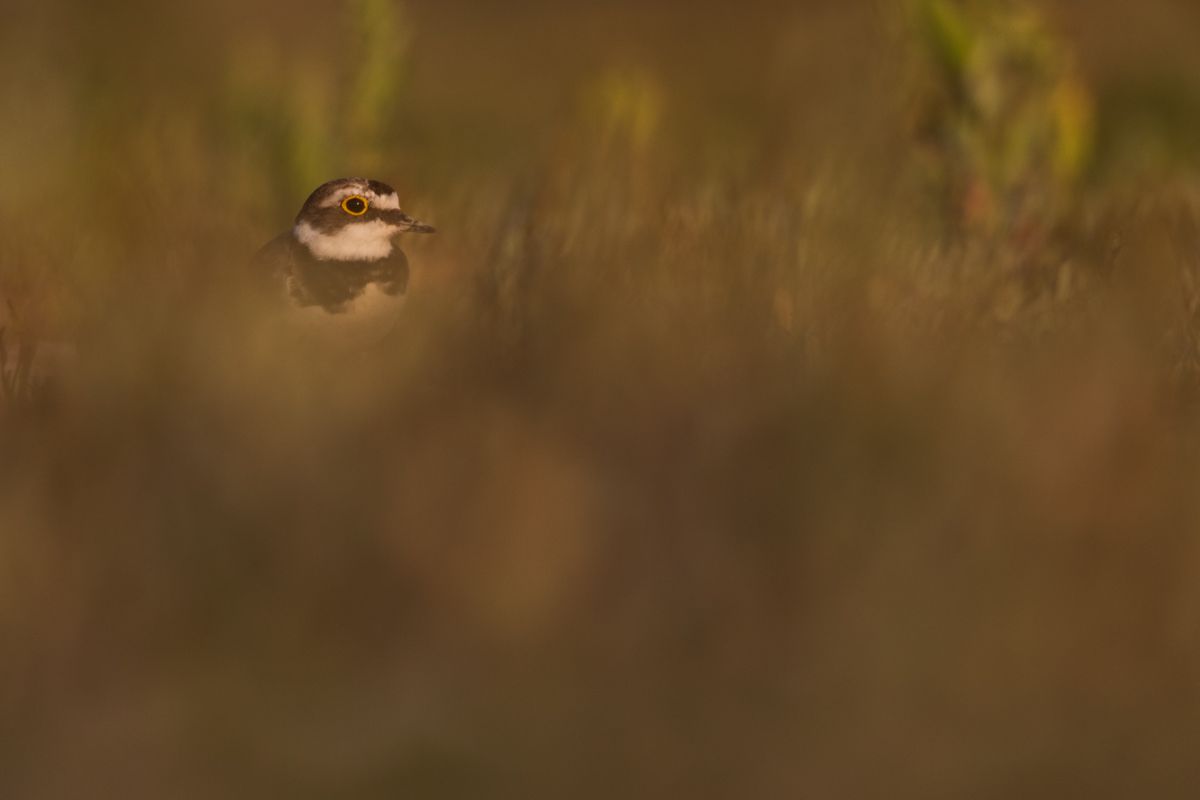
x: 353, y: 219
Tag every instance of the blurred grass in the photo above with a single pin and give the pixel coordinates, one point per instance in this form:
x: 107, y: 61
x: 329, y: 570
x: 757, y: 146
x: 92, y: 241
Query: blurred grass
x: 719, y: 454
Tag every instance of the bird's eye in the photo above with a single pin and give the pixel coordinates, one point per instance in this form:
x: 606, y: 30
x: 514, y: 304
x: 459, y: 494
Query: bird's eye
x: 354, y: 205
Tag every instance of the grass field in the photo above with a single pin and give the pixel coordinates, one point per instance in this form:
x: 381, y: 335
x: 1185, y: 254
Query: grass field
x: 797, y: 400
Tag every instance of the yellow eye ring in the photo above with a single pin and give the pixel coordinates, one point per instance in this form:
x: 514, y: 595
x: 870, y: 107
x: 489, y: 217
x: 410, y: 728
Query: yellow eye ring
x: 355, y: 205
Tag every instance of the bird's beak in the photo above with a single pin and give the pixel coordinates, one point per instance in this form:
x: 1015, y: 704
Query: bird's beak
x: 406, y: 224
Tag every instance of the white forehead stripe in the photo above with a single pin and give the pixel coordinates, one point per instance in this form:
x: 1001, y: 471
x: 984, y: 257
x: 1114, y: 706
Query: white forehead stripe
x: 362, y: 241
x: 388, y: 202
x: 383, y: 201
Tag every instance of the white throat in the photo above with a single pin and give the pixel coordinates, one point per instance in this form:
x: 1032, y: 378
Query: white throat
x: 359, y: 241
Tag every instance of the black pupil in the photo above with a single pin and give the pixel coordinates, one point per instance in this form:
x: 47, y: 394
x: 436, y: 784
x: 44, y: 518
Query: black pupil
x: 355, y: 206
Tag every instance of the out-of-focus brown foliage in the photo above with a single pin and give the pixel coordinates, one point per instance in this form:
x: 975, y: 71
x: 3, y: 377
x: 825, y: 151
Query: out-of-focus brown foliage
x: 703, y: 463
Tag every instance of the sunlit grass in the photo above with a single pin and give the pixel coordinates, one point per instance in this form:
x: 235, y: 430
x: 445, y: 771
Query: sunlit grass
x: 723, y: 449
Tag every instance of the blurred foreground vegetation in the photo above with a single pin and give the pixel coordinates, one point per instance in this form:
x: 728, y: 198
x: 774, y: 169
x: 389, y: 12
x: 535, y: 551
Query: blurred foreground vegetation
x: 799, y: 399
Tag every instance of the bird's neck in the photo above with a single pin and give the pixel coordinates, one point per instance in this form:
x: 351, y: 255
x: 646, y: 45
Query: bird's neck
x: 363, y: 241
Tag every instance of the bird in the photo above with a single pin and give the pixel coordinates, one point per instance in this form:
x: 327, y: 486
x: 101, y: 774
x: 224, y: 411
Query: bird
x: 337, y: 271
